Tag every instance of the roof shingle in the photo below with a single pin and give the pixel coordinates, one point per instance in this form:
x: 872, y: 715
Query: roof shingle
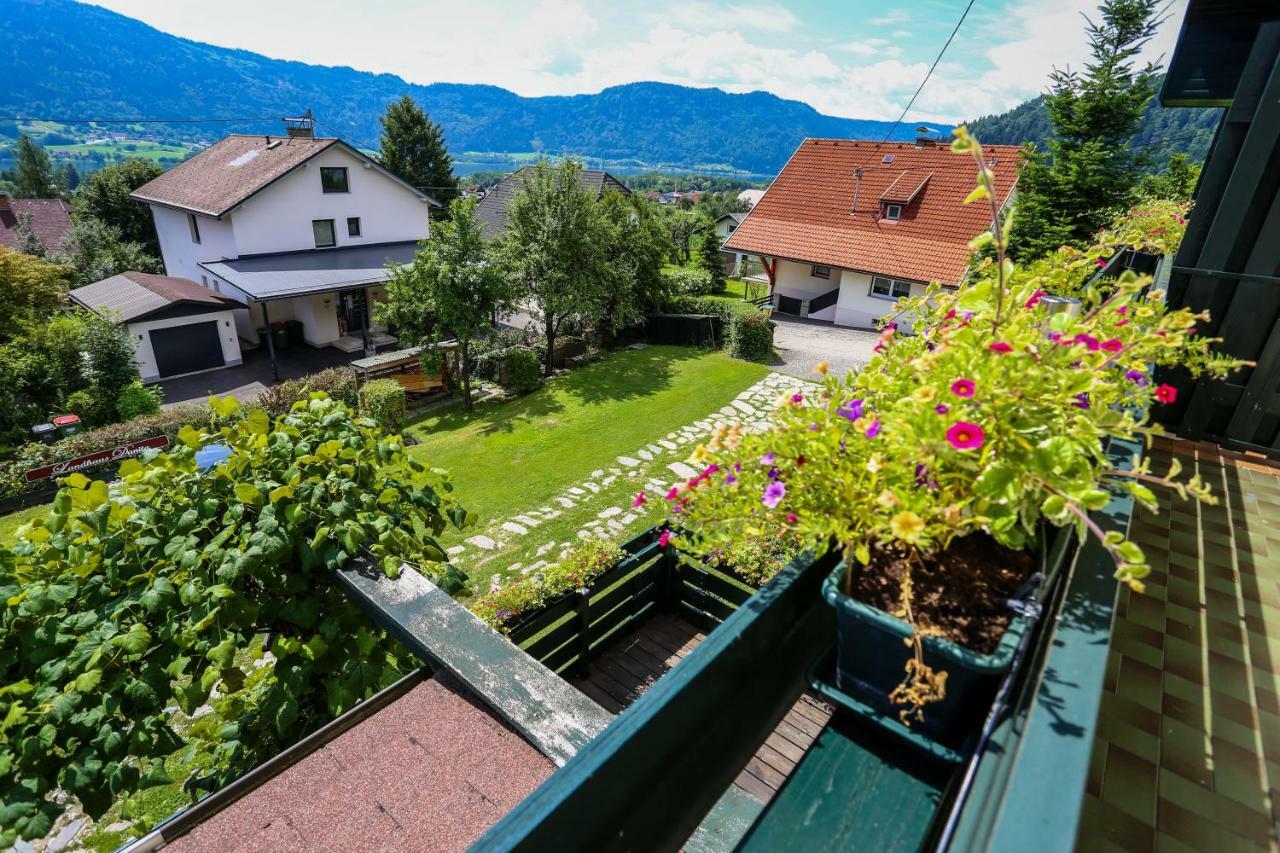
x: 808, y: 215
x: 492, y: 209
x: 134, y: 295
x: 50, y: 221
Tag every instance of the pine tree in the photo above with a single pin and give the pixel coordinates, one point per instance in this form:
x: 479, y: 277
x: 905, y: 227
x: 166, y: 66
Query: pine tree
x: 1088, y: 172
x: 413, y: 149
x: 710, y: 259
x: 35, y: 176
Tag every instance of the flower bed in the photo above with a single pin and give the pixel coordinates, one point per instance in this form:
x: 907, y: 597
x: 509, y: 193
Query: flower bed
x: 503, y: 607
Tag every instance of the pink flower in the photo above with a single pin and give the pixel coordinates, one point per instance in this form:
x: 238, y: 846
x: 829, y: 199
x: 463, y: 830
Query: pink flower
x: 1123, y: 309
x: 1035, y: 298
x: 673, y: 494
x: 962, y: 387
x: 1123, y: 322
x: 965, y: 436
x: 1113, y: 345
x: 942, y: 408
x: 1089, y: 341
x: 773, y: 494
x: 791, y: 518
x: 639, y: 501
x: 664, y: 538
x: 1102, y: 262
x: 797, y: 398
x: 1166, y: 393
x: 768, y: 459
x: 873, y: 430
x: 1000, y: 347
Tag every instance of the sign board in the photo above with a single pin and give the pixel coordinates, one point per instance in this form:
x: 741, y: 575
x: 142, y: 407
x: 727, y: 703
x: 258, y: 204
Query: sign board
x: 93, y: 460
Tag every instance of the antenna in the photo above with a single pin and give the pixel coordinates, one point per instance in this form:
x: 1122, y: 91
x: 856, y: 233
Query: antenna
x: 301, y: 127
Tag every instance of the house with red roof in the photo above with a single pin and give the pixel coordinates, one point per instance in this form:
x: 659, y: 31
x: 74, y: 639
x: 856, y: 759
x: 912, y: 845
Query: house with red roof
x: 850, y: 226
x: 50, y: 220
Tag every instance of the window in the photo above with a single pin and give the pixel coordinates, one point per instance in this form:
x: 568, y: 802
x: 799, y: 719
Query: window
x: 819, y: 271
x: 889, y: 288
x: 323, y: 229
x: 194, y: 226
x: 353, y: 226
x: 732, y: 228
x: 893, y: 211
x: 333, y: 179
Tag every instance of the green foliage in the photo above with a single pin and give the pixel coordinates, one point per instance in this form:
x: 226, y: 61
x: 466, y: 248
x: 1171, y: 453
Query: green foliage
x: 169, y: 587
x: 1177, y: 182
x: 503, y: 606
x: 31, y: 289
x: 681, y: 225
x: 634, y: 245
x: 382, y: 401
x: 104, y: 196
x: 455, y: 282
x: 136, y: 400
x: 690, y: 281
x: 756, y: 559
x: 29, y: 242
x: 709, y: 258
x: 35, y: 176
x: 109, y: 355
x: 520, y: 373
x: 93, y: 408
x: 412, y: 147
x: 94, y: 250
x: 1089, y: 172
x: 750, y: 336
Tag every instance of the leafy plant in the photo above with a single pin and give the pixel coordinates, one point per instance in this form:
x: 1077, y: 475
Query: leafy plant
x: 690, y: 281
x: 710, y: 259
x: 93, y: 409
x: 750, y: 336
x: 502, y: 607
x: 137, y: 400
x: 521, y: 371
x: 382, y: 400
x: 169, y: 587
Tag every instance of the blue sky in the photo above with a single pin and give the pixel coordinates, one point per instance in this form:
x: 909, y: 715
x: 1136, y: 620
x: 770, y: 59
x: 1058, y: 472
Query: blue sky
x: 855, y: 58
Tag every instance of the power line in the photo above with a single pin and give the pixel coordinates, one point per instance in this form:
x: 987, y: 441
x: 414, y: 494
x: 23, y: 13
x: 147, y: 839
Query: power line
x: 905, y: 109
x: 140, y: 120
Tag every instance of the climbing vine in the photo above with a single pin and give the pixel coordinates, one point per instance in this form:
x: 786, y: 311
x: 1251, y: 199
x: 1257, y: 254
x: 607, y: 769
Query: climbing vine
x: 184, y: 587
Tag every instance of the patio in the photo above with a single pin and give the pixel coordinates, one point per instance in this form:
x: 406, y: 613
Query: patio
x: 248, y: 380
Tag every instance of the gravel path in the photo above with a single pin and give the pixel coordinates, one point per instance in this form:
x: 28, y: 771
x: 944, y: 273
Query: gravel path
x: 801, y: 344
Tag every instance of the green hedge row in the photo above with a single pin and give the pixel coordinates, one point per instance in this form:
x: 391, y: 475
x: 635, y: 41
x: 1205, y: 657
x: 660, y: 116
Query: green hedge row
x: 744, y: 330
x: 383, y: 401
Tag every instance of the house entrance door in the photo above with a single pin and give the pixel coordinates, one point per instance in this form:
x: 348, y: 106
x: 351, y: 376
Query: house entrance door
x: 353, y: 311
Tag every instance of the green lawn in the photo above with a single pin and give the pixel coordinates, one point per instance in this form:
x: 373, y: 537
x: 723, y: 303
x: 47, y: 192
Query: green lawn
x: 9, y: 524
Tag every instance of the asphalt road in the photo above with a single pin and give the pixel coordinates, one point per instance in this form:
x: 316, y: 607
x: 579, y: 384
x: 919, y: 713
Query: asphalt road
x: 801, y: 344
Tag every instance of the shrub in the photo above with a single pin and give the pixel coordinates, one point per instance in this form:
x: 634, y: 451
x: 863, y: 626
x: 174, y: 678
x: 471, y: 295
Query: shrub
x: 756, y: 559
x: 137, y: 400
x: 502, y: 607
x: 750, y: 336
x: 691, y: 281
x: 383, y: 401
x: 338, y: 382
x: 160, y: 591
x: 94, y: 409
x: 522, y: 370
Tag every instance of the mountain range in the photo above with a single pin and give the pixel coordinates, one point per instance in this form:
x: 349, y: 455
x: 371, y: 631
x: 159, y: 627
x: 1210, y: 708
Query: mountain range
x: 71, y: 60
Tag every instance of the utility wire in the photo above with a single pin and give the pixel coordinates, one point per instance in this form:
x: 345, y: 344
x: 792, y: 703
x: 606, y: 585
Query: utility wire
x: 905, y: 109
x: 140, y: 120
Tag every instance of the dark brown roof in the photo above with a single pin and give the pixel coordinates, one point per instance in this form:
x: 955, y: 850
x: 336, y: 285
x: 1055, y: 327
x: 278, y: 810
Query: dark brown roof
x: 432, y: 771
x: 492, y: 209
x: 134, y: 295
x: 50, y: 221
x: 807, y: 213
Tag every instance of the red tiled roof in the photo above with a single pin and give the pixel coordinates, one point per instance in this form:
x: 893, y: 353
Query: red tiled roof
x: 50, y: 221
x: 806, y: 214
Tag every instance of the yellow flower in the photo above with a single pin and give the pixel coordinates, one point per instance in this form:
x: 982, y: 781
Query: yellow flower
x: 925, y: 393
x: 822, y: 367
x: 875, y: 464
x: 699, y: 454
x: 906, y: 526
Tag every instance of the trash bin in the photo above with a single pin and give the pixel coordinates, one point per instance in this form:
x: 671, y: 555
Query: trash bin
x: 279, y: 336
x: 67, y: 424
x: 294, y: 328
x: 45, y: 433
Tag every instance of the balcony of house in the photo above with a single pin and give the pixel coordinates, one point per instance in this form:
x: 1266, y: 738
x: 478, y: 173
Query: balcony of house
x: 842, y: 297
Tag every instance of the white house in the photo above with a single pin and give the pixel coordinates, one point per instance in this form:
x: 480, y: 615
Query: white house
x: 850, y: 226
x: 723, y: 227
x: 289, y: 228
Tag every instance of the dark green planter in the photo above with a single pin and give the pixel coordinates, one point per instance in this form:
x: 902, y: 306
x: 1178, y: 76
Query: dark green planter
x: 871, y: 657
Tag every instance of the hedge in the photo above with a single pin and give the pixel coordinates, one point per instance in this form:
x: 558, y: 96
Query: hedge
x: 690, y: 281
x: 522, y: 370
x: 743, y: 329
x: 337, y: 382
x: 383, y: 400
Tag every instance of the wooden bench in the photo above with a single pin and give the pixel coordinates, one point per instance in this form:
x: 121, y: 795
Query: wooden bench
x: 418, y: 383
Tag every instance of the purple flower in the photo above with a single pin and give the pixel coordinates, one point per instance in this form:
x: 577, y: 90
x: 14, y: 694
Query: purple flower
x: 797, y: 398
x: 942, y: 408
x: 851, y: 410
x: 768, y: 458
x: 930, y: 346
x: 873, y: 430
x: 923, y: 478
x: 773, y: 494
x: 1082, y: 400
x: 730, y: 480
x: 813, y: 427
x: 1137, y: 377
x: 774, y: 473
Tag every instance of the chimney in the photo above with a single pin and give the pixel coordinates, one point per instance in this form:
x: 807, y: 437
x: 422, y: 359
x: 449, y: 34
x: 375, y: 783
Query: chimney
x: 926, y: 136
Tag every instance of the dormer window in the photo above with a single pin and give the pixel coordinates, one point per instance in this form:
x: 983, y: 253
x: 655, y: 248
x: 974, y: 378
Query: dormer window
x: 333, y: 179
x: 893, y: 211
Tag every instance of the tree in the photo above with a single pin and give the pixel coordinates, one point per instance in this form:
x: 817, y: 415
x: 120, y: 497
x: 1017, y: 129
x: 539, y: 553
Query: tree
x: 104, y: 196
x: 554, y: 247
x: 709, y: 257
x: 635, y: 246
x: 453, y: 281
x: 31, y: 289
x: 110, y: 362
x: 1177, y: 181
x: 1088, y: 171
x: 29, y: 242
x: 94, y: 250
x: 681, y: 226
x: 35, y: 176
x: 412, y: 148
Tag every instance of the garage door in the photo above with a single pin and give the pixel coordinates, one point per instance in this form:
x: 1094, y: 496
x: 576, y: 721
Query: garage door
x: 184, y: 349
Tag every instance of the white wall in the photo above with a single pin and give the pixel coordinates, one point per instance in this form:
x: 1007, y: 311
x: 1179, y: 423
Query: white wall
x: 857, y: 307
x: 181, y: 255
x: 278, y: 219
x: 318, y: 314
x: 146, y: 359
x: 793, y: 279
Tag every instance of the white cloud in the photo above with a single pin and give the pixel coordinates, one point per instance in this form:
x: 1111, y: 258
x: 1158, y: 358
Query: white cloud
x: 770, y: 17
x: 897, y: 16
x: 872, y: 47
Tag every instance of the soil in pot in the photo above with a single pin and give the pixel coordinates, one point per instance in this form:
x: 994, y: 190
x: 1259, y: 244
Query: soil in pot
x: 961, y: 592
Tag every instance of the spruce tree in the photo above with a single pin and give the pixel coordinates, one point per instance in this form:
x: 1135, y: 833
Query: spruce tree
x: 413, y: 149
x: 35, y: 177
x: 1088, y: 172
x: 710, y: 259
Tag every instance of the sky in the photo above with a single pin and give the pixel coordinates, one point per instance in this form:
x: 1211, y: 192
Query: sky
x: 851, y: 58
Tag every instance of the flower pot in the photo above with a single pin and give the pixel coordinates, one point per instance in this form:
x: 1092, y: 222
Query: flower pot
x: 872, y: 653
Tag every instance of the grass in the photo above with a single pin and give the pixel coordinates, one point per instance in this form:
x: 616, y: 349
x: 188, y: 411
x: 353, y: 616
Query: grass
x: 9, y: 524
x: 509, y: 457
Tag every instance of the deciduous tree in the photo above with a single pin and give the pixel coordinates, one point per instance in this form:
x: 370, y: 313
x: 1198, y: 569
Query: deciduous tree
x: 709, y: 257
x: 104, y: 195
x: 94, y: 250
x: 635, y: 246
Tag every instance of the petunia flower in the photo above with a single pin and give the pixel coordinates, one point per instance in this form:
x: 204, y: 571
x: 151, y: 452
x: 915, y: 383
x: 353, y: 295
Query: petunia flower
x: 1082, y: 400
x: 1090, y: 342
x: 673, y: 494
x: 962, y: 387
x: 1035, y: 299
x: 873, y: 430
x: 1000, y: 347
x: 906, y: 526
x: 1113, y: 345
x: 664, y: 538
x: 851, y: 410
x: 773, y: 494
x: 730, y: 480
x: 791, y: 518
x: 639, y: 501
x: 965, y: 436
x: 1166, y: 393
x: 1137, y: 377
x: 942, y: 408
x: 822, y: 367
x: 768, y: 458
x: 797, y: 398
x: 813, y: 427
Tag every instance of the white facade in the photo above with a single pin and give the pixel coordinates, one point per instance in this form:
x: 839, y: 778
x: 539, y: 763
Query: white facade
x: 856, y: 305
x: 140, y: 333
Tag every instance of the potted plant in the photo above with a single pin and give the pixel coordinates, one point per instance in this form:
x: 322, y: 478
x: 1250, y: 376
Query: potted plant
x: 942, y: 468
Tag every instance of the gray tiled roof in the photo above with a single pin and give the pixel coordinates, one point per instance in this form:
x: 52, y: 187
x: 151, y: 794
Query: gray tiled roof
x: 133, y: 295
x: 492, y: 209
x: 278, y: 276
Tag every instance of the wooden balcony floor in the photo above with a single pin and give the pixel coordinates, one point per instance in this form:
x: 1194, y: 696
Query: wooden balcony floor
x: 634, y: 662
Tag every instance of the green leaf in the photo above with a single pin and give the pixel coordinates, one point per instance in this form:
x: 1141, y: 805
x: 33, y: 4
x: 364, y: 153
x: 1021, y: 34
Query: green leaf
x: 1054, y: 455
x: 977, y: 194
x: 191, y: 437
x: 286, y: 715
x: 248, y: 493
x: 280, y: 492
x: 86, y: 681
x: 134, y: 641
x: 224, y: 407
x: 257, y: 422
x: 994, y: 483
x: 223, y: 654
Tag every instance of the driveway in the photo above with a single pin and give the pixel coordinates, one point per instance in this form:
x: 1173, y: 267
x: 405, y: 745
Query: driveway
x: 801, y: 344
x: 248, y: 380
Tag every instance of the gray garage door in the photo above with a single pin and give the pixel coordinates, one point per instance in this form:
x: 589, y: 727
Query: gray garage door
x: 184, y: 349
